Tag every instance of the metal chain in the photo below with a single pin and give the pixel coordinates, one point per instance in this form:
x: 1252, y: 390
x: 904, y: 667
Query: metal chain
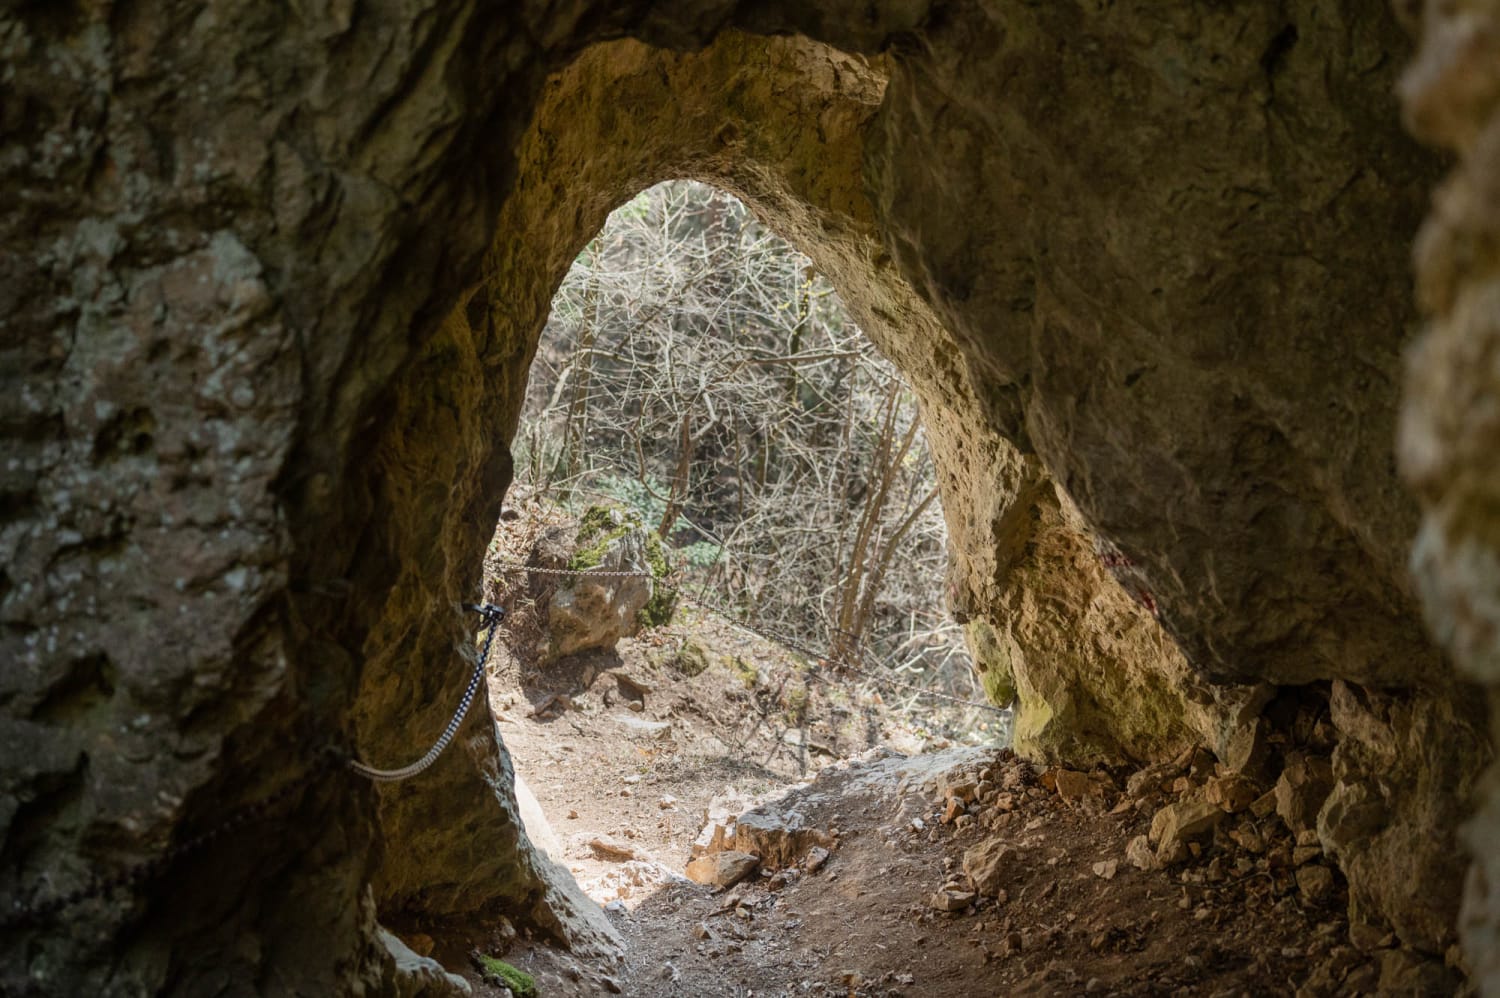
x: 492, y: 616
x: 775, y: 638
x: 592, y: 573
x: 329, y: 759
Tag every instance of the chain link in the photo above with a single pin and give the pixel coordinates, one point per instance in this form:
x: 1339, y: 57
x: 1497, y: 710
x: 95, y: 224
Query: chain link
x: 492, y: 616
x: 775, y: 638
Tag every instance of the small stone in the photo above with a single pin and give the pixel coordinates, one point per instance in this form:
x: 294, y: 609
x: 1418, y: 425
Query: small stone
x: 951, y: 900
x: 1149, y: 780
x: 966, y: 791
x: 702, y: 931
x: 1308, y: 837
x: 1302, y: 855
x: 1139, y: 855
x: 722, y: 869
x: 816, y: 857
x: 1233, y: 793
x: 1106, y: 868
x: 954, y: 809
x: 610, y: 848
x: 667, y: 802
x: 1315, y: 883
x: 1248, y: 838
x: 988, y: 865
x: 1264, y: 804
x: 1073, y: 785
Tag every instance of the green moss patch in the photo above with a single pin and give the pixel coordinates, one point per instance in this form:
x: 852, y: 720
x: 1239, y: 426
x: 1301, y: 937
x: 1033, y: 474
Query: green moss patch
x: 691, y: 659
x: 746, y: 671
x: 521, y: 984
x: 663, y: 603
x: 600, y: 527
x: 992, y: 660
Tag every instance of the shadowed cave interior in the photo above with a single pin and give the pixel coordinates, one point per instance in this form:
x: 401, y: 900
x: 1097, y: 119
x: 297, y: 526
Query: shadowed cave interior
x: 1212, y: 460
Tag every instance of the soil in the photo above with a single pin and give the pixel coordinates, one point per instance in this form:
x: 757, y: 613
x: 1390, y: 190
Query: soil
x: 624, y: 753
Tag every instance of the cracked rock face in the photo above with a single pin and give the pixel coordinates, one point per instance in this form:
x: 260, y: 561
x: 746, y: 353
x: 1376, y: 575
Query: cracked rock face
x: 1450, y: 426
x: 271, y: 283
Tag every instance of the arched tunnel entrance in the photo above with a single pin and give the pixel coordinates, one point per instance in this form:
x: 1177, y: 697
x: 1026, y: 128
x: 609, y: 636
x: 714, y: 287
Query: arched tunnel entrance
x: 1146, y: 271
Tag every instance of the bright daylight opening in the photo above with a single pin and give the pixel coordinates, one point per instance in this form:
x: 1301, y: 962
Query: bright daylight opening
x: 724, y: 552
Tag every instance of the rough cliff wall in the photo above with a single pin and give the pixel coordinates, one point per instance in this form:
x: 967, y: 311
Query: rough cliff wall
x: 1450, y: 430
x: 272, y: 278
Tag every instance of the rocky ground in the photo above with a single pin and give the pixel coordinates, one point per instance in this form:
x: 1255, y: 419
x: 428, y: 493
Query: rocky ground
x: 754, y: 824
x: 952, y: 871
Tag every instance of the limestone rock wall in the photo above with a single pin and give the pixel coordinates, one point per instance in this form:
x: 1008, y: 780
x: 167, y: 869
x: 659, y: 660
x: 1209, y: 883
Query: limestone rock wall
x: 272, y: 275
x: 1450, y: 428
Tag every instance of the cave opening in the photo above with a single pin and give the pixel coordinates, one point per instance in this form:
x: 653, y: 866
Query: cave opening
x: 1148, y: 269
x: 704, y: 411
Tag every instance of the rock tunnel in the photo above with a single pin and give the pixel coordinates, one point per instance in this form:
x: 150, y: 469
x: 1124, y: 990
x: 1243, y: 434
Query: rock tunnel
x: 273, y: 281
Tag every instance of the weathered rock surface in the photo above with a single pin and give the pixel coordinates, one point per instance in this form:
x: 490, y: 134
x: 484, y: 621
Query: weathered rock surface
x: 1301, y: 790
x: 1181, y: 821
x: 722, y: 869
x: 272, y: 279
x: 779, y: 833
x: 989, y: 864
x: 1450, y: 430
x: 585, y: 613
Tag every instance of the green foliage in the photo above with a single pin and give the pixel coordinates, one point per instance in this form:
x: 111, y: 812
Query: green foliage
x: 498, y: 972
x: 796, y: 703
x: 634, y: 495
x: 700, y: 554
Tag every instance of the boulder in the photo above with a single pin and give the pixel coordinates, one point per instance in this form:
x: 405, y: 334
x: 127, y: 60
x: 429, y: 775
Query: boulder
x: 1302, y: 788
x: 589, y: 613
x: 1182, y: 821
x: 1234, y: 793
x: 722, y: 869
x: 781, y: 836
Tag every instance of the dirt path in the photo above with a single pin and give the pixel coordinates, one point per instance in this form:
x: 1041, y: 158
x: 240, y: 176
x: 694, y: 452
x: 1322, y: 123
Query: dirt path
x: 626, y: 754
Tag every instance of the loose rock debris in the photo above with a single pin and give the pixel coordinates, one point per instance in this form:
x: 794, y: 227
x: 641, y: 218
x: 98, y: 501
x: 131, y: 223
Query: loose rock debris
x: 735, y: 861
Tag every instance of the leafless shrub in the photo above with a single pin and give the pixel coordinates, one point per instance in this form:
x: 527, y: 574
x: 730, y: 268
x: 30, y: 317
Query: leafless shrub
x: 696, y: 368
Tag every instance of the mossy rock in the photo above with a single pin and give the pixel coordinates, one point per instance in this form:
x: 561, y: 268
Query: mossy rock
x: 597, y: 529
x: 992, y: 660
x: 692, y: 659
x: 500, y: 973
x: 601, y: 526
x: 663, y: 604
